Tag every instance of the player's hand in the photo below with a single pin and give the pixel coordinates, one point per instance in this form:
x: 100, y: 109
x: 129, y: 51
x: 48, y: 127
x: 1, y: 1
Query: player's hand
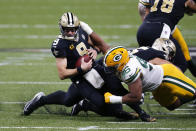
x: 191, y: 4
x: 86, y: 27
x: 92, y: 53
x: 107, y: 96
x: 86, y: 65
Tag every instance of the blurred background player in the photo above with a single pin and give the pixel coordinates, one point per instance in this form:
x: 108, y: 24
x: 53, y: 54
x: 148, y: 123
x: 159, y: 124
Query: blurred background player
x: 76, y: 40
x: 163, y: 15
x: 157, y: 76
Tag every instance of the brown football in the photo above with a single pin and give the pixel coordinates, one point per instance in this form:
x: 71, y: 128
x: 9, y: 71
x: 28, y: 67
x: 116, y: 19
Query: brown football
x: 87, y: 58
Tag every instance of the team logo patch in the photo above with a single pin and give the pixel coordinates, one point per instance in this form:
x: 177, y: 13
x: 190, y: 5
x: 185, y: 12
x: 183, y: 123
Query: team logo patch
x: 117, y: 57
x: 71, y: 47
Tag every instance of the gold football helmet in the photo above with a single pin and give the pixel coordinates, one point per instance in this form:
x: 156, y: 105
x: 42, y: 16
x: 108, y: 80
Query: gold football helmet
x: 165, y: 45
x: 69, y: 22
x: 116, y: 57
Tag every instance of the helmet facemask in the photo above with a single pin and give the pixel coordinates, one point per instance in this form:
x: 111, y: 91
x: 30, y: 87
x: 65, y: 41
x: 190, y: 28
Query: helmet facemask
x: 69, y: 25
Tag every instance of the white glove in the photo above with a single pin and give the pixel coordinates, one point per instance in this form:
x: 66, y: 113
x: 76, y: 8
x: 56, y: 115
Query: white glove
x: 86, y: 28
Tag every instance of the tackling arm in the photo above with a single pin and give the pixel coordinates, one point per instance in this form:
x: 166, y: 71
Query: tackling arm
x: 99, y: 43
x: 190, y: 4
x: 159, y: 61
x: 134, y: 95
x: 95, y: 40
x: 135, y: 92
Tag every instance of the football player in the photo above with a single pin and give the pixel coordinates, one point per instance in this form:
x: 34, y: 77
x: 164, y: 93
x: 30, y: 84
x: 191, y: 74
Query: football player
x: 89, y: 80
x: 163, y: 14
x: 157, y: 76
x: 161, y: 48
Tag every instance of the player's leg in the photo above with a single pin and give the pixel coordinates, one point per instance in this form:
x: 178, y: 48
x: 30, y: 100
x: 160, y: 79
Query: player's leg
x: 59, y: 97
x: 179, y: 59
x: 115, y: 86
x: 94, y: 101
x: 148, y: 32
x: 178, y: 88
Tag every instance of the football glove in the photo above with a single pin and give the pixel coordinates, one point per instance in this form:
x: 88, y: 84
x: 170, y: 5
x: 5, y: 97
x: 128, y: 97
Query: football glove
x: 109, y: 98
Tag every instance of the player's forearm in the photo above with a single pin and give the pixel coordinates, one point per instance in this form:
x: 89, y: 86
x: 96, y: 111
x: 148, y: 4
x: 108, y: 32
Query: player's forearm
x: 128, y: 98
x: 67, y: 73
x: 131, y: 98
x: 100, y: 43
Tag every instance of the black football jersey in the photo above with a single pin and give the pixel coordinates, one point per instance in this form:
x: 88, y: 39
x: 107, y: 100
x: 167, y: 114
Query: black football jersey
x: 72, y: 50
x: 148, y: 53
x: 166, y: 11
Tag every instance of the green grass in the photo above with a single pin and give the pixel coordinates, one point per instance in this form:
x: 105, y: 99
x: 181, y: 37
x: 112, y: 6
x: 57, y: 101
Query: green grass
x: 32, y: 24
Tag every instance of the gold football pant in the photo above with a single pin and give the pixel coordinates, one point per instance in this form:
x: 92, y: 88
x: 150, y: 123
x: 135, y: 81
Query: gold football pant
x: 174, y: 85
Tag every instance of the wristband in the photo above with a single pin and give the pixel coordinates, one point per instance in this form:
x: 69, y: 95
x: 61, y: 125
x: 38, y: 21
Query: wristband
x: 79, y: 70
x: 115, y: 99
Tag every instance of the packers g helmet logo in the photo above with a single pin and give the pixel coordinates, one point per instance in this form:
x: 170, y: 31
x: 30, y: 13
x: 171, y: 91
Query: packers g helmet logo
x: 117, y: 57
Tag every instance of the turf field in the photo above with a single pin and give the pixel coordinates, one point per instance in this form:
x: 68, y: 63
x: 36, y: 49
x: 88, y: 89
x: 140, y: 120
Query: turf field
x: 27, y: 28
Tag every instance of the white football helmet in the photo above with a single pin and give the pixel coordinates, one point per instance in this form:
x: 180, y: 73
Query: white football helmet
x: 69, y: 22
x: 165, y: 45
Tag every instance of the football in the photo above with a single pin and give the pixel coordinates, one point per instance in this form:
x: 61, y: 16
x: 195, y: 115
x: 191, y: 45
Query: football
x: 87, y: 58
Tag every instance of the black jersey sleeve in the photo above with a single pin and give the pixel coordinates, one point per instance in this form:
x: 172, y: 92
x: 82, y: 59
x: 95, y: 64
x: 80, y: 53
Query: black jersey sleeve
x: 57, y: 49
x: 149, y: 54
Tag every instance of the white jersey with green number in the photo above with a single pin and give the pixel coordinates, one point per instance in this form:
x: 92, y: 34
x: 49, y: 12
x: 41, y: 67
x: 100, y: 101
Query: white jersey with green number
x: 151, y: 75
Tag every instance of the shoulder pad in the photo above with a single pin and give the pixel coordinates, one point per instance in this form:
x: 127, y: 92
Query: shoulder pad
x: 130, y: 73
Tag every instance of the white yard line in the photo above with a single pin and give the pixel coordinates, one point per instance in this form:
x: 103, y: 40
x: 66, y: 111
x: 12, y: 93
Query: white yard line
x: 10, y: 103
x: 94, y: 128
x: 44, y: 26
x: 34, y: 83
x: 132, y: 122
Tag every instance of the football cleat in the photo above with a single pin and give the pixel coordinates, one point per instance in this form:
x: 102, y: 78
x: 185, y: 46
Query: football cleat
x: 147, y: 118
x: 33, y: 104
x: 78, y: 107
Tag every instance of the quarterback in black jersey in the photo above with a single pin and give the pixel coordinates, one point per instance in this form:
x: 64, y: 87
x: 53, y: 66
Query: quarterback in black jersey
x: 161, y: 21
x: 76, y: 40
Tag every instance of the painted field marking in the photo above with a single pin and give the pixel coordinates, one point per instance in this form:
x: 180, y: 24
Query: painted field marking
x: 34, y: 83
x: 44, y: 26
x: 131, y: 122
x: 94, y: 128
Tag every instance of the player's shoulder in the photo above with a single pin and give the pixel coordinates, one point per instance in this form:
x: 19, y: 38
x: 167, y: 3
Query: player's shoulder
x: 58, y: 46
x: 60, y: 43
x: 131, y: 71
